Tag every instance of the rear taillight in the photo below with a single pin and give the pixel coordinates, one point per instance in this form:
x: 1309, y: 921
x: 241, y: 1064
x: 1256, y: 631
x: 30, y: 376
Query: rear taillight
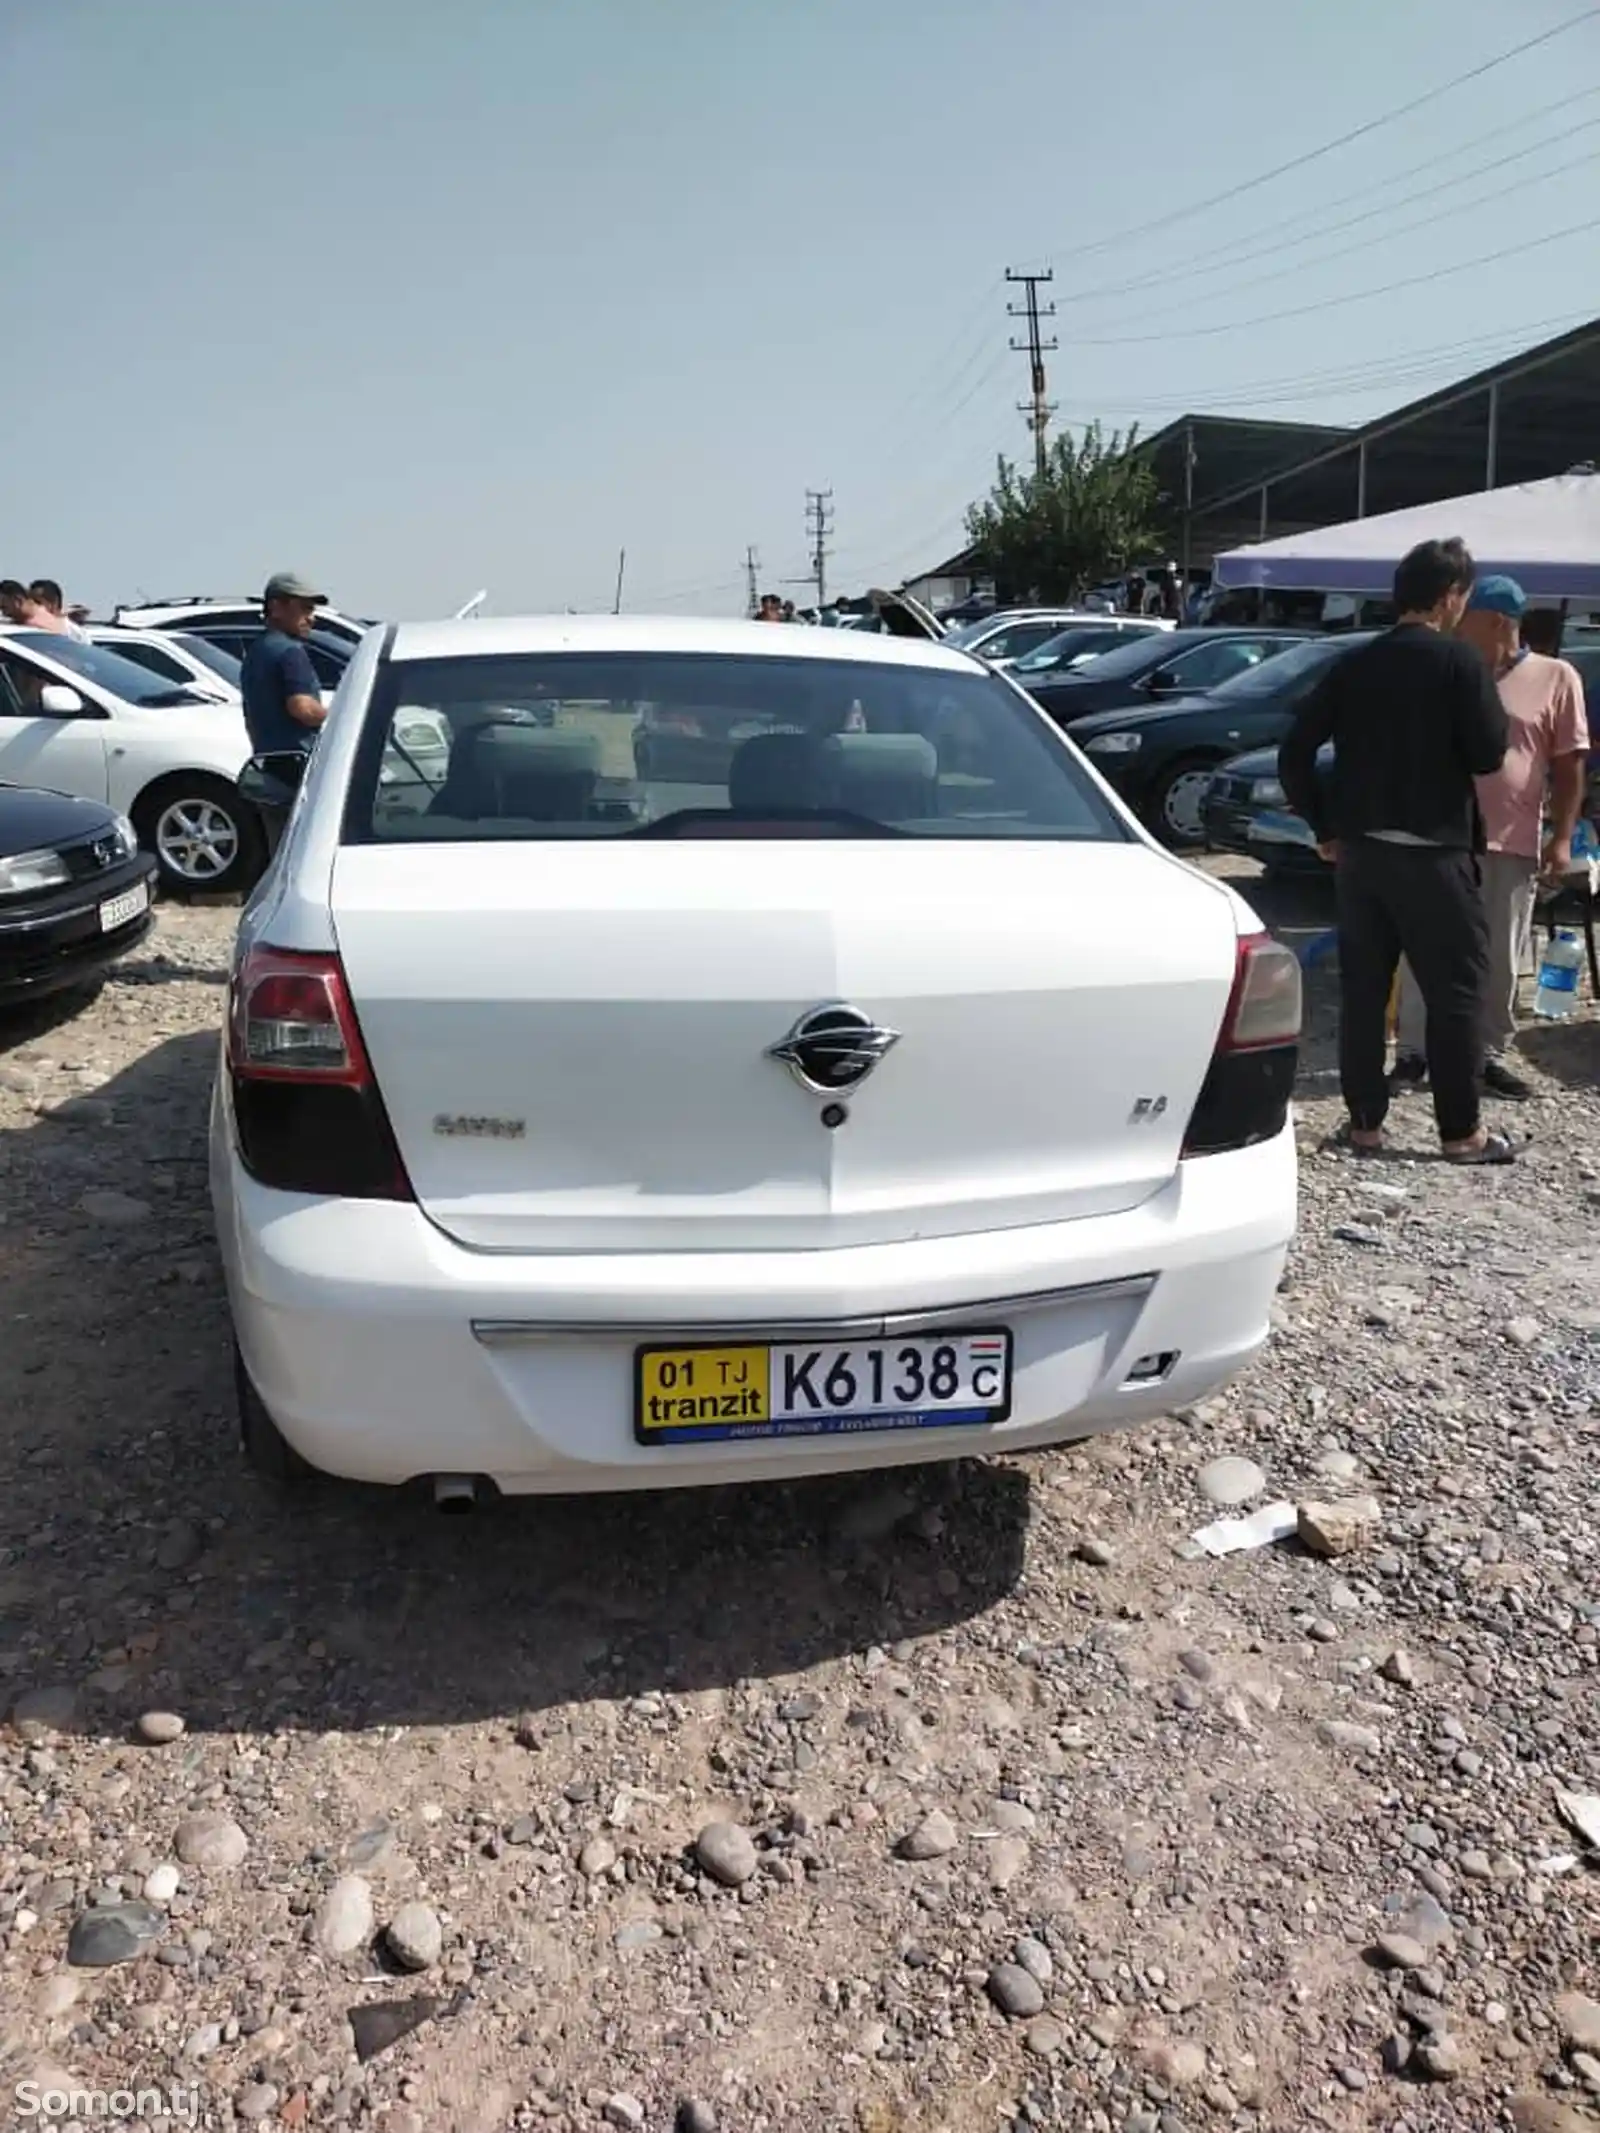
x: 306, y: 1107
x: 1245, y: 1098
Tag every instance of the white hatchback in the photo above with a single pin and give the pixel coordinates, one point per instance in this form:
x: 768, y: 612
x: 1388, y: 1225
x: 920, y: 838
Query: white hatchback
x: 731, y: 1052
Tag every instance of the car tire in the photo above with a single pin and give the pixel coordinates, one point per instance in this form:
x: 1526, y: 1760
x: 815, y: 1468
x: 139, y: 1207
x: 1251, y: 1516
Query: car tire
x: 1172, y: 807
x: 206, y: 840
x: 266, y: 1449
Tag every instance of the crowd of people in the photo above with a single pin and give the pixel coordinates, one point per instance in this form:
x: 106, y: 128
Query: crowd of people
x: 41, y: 605
x: 1460, y: 756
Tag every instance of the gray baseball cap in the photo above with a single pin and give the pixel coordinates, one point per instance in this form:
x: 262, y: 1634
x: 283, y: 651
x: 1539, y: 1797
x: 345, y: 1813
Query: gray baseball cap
x: 289, y: 585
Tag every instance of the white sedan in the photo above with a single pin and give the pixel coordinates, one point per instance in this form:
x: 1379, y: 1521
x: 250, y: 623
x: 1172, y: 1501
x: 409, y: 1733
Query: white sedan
x: 80, y: 719
x: 853, y: 1083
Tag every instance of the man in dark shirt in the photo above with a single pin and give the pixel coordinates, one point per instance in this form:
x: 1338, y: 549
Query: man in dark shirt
x: 283, y: 704
x: 1413, y: 718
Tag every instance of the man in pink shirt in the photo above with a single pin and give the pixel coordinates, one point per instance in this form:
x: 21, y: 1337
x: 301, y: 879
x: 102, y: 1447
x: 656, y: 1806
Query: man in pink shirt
x: 1524, y: 836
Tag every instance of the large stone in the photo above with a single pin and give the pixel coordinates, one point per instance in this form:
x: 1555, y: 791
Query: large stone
x: 1339, y: 1528
x: 415, y: 1938
x: 212, y: 1841
x: 1015, y: 1991
x: 1351, y: 1739
x: 932, y: 1838
x: 113, y: 1933
x: 727, y: 1853
x: 344, y: 1919
x: 1579, y: 2017
x: 1230, y: 1481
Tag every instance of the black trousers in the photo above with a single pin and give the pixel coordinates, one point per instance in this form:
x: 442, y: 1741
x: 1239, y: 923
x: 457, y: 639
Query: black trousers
x: 1426, y: 904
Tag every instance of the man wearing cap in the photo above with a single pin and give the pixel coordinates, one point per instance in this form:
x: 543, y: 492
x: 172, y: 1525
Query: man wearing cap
x: 1549, y: 746
x: 283, y: 704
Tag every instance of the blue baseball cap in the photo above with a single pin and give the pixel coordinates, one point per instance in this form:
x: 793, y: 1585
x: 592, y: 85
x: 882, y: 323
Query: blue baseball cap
x: 1497, y: 595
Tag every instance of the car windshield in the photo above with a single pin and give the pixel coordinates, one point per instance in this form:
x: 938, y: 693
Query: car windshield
x: 568, y: 745
x: 222, y: 664
x: 1273, y: 676
x: 1068, y: 649
x: 118, y: 677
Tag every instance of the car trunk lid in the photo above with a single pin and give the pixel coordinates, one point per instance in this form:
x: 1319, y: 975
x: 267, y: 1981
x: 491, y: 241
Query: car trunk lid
x: 574, y: 1040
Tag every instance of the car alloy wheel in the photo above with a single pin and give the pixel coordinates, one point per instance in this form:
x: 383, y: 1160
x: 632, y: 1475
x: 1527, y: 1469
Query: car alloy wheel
x: 1182, y: 799
x: 196, y: 840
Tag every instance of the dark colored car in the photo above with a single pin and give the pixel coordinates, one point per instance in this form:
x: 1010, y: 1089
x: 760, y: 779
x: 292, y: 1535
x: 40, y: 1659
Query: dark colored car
x: 1245, y: 809
x: 1161, y: 664
x: 75, y: 892
x: 1162, y: 757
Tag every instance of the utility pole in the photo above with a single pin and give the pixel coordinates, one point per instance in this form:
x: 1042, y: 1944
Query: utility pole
x: 1190, y: 460
x: 752, y: 567
x: 1038, y: 408
x: 622, y: 566
x: 819, y: 524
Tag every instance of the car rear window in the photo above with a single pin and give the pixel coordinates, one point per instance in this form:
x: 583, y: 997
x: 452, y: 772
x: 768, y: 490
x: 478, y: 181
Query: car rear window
x: 564, y: 745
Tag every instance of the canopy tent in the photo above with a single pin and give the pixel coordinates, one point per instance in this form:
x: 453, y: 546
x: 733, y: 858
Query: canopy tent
x: 1545, y: 534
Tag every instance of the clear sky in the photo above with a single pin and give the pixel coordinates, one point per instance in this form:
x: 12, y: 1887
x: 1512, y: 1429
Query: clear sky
x: 422, y: 299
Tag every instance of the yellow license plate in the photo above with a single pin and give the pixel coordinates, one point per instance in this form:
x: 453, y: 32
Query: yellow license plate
x: 694, y: 1395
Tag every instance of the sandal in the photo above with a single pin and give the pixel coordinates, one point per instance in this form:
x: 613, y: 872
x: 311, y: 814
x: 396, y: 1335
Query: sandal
x: 1343, y: 1138
x: 1497, y: 1150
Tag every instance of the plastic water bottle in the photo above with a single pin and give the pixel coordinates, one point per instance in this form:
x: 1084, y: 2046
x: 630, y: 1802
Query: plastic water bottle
x: 1556, y: 999
x: 1585, y: 844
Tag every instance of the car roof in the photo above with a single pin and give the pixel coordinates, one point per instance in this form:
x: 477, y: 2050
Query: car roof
x: 512, y: 634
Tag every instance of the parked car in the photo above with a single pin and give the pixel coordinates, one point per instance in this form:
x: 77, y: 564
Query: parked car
x: 173, y: 657
x: 1246, y: 810
x: 80, y: 719
x: 820, y: 1121
x: 1022, y: 630
x: 1075, y: 647
x: 75, y: 892
x: 204, y: 616
x: 1161, y: 757
x: 1177, y: 663
x: 233, y: 626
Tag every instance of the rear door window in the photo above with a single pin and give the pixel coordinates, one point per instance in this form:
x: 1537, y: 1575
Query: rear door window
x: 568, y: 745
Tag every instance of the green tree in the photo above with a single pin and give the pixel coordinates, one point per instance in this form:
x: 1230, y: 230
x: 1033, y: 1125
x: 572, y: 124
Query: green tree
x: 1092, y: 513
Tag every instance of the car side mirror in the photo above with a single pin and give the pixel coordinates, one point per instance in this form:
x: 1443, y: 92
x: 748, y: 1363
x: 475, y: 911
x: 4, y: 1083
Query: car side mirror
x: 1162, y: 683
x: 58, y: 700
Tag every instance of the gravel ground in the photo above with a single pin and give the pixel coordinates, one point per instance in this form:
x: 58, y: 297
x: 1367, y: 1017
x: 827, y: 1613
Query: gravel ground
x: 974, y: 1799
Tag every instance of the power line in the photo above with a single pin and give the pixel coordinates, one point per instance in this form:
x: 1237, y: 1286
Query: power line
x: 1327, y: 148
x: 1457, y: 207
x: 1210, y: 263
x: 1037, y: 406
x: 1356, y: 296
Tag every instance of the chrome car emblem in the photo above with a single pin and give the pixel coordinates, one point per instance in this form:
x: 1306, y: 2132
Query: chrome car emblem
x: 833, y: 1047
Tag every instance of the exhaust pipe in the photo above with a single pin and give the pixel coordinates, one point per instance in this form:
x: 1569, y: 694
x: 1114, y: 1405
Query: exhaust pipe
x: 455, y: 1493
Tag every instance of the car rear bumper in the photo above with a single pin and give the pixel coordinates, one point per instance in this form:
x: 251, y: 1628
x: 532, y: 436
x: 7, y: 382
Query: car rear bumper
x: 385, y: 1351
x: 62, y: 944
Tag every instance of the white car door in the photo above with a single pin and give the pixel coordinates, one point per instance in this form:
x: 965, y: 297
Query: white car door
x: 62, y: 752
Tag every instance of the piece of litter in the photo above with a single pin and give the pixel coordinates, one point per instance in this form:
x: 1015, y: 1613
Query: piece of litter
x: 1581, y: 1811
x: 1558, y: 1863
x: 1228, y: 1536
